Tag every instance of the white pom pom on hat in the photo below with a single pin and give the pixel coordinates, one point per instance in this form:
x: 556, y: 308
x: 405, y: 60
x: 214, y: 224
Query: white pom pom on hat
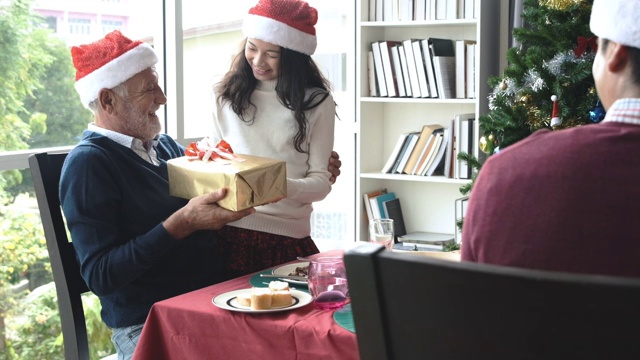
x: 617, y: 20
x: 286, y: 23
x: 109, y: 62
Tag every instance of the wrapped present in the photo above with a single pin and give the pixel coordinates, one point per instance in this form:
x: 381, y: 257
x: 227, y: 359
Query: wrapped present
x: 250, y: 180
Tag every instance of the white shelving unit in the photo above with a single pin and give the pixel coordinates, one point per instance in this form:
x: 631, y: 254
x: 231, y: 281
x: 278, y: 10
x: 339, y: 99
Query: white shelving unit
x: 427, y: 202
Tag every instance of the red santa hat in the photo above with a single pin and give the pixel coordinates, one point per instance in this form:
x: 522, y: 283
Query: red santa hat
x: 287, y: 23
x: 109, y: 62
x: 617, y: 20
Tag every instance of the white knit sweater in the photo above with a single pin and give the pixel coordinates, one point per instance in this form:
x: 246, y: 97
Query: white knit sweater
x: 271, y: 135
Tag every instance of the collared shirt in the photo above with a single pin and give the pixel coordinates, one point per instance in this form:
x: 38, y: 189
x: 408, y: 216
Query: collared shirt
x: 624, y: 111
x: 146, y: 150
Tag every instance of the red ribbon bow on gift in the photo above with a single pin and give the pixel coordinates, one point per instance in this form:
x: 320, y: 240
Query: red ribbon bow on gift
x: 584, y: 43
x: 203, y: 150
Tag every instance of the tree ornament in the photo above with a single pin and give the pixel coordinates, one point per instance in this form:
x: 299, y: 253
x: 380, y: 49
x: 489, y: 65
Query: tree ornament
x: 584, y: 44
x: 555, y: 114
x: 597, y: 113
x: 503, y: 85
x: 559, y: 4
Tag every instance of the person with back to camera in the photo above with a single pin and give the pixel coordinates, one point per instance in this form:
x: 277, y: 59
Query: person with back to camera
x: 136, y: 245
x: 275, y: 102
x: 566, y: 200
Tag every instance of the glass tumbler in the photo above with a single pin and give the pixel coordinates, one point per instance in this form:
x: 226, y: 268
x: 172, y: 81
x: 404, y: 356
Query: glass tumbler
x: 381, y: 232
x: 328, y: 282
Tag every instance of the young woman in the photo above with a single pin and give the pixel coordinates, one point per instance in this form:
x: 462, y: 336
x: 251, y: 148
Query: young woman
x: 274, y: 102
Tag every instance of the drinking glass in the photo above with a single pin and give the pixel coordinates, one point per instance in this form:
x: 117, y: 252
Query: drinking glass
x: 381, y: 232
x: 328, y: 282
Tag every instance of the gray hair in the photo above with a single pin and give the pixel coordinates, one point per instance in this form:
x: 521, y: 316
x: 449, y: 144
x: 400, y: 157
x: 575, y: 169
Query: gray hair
x: 122, y: 90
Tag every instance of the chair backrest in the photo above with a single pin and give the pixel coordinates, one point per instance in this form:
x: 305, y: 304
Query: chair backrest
x: 45, y: 170
x: 414, y: 307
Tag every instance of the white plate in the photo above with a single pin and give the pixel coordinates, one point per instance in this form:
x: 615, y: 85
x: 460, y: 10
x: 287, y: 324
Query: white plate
x: 228, y: 301
x: 288, y: 269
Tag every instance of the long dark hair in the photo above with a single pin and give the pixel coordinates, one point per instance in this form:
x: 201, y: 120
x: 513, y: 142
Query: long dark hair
x: 298, y: 72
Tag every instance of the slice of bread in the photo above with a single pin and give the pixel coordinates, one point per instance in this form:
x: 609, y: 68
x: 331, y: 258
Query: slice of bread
x: 261, y: 299
x: 281, y: 298
x: 244, y: 299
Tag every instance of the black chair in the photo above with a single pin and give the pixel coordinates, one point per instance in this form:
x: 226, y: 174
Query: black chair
x: 45, y: 170
x: 414, y: 307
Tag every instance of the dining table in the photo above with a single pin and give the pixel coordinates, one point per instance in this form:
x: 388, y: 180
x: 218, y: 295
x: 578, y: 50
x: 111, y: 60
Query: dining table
x: 191, y: 326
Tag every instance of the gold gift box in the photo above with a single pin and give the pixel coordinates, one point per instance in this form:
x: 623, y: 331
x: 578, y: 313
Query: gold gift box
x: 255, y: 181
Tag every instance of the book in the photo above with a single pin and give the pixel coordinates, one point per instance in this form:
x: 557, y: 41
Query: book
x: 394, y: 153
x: 438, y: 159
x: 459, y: 119
x: 429, y: 240
x: 426, y: 131
x: 466, y: 146
x: 406, y: 152
x: 380, y: 199
x: 372, y: 9
x: 405, y: 12
x: 390, y: 75
x: 405, y: 71
x: 371, y: 73
x: 393, y: 209
x: 428, y: 67
x: 450, y: 151
x: 420, y: 69
x: 444, y: 66
x: 432, y: 153
x: 376, y: 206
x: 471, y: 71
x: 411, y: 66
x: 468, y: 9
x: 367, y: 203
x: 397, y: 70
x: 420, y: 10
x: 423, y: 155
x: 379, y: 70
x: 461, y: 68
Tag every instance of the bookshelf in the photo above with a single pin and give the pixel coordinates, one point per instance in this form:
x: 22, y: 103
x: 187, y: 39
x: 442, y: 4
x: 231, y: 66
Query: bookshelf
x: 428, y: 202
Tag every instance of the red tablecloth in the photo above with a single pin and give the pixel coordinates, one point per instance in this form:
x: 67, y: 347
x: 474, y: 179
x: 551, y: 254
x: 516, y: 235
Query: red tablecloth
x: 191, y: 327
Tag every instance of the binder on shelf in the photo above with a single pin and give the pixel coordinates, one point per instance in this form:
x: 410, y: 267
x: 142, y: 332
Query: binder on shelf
x: 380, y: 199
x: 371, y: 74
x: 444, y: 66
x: 420, y: 68
x: 462, y: 143
x: 471, y: 70
x: 405, y: 71
x: 406, y: 152
x: 397, y: 69
x: 403, y: 151
x: 412, y: 70
x: 379, y: 70
x: 432, y: 154
x: 428, y: 67
x: 462, y: 75
x: 390, y: 76
x: 388, y: 166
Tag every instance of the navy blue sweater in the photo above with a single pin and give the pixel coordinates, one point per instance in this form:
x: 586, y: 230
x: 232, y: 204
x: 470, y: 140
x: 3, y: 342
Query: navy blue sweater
x: 114, y: 203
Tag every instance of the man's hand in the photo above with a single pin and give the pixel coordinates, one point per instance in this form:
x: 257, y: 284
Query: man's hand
x: 202, y: 213
x: 334, y: 166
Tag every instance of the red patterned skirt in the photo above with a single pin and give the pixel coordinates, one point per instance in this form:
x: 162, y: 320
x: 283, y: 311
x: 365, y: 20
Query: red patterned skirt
x: 247, y: 251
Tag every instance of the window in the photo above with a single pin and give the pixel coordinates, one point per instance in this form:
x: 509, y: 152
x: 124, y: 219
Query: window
x: 80, y: 26
x: 110, y: 25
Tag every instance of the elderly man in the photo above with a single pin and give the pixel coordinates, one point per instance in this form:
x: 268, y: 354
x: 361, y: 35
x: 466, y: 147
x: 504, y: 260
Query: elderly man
x: 136, y: 244
x: 566, y: 200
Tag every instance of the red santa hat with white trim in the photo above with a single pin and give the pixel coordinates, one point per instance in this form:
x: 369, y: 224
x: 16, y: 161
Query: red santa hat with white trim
x: 287, y: 23
x: 617, y: 20
x: 109, y: 62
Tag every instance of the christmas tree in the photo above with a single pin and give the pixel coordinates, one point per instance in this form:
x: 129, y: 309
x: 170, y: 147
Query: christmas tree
x: 553, y: 60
